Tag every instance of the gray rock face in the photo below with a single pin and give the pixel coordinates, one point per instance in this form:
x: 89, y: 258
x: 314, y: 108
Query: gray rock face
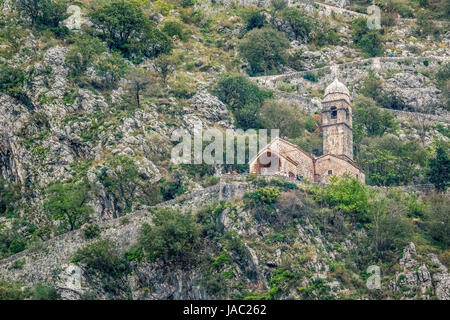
x: 416, y: 281
x: 416, y: 91
x: 209, y: 106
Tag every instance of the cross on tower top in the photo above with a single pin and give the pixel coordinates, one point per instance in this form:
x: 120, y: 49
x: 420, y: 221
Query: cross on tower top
x: 334, y: 70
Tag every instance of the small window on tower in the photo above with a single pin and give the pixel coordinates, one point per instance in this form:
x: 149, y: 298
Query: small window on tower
x: 346, y: 114
x: 330, y: 172
x: 333, y: 113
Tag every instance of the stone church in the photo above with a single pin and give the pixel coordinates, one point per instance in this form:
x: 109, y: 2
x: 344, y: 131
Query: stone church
x: 281, y: 157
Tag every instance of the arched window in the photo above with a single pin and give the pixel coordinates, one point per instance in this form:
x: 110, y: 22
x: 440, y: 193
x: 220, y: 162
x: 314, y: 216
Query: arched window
x: 333, y: 112
x: 346, y: 114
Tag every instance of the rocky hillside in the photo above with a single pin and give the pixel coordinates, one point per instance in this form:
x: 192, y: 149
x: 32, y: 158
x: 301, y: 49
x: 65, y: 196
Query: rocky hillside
x: 88, y: 106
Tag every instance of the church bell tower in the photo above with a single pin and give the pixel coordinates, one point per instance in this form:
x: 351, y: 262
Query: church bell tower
x: 337, y: 120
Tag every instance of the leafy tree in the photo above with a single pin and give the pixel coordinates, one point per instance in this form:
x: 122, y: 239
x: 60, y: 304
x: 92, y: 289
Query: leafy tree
x: 389, y: 229
x: 9, y: 194
x: 175, y: 28
x: 44, y: 292
x: 121, y: 181
x: 373, y: 120
x: 173, y: 236
x: 437, y: 218
x: 138, y: 82
x: 164, y: 67
x: 278, y: 5
x: 111, y: 69
x: 173, y: 186
x: 388, y: 161
x: 348, y: 195
x: 439, y: 168
x: 255, y: 20
x: 367, y: 40
x: 84, y: 53
x: 301, y: 23
x: 265, y: 50
x: 279, y: 115
x: 307, y: 29
x: 67, y: 203
x: 44, y: 14
x: 101, y: 256
x: 14, y: 239
x: 102, y: 260
x: 124, y: 27
x: 12, y: 82
x: 243, y: 97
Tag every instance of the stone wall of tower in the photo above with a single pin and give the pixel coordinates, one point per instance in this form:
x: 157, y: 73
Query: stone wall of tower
x: 337, y: 132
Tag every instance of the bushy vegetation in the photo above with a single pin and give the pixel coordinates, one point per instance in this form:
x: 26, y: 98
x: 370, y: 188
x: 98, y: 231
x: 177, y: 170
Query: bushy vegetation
x: 243, y: 97
x: 307, y: 28
x: 173, y: 236
x: 389, y: 161
x: 125, y: 27
x: 348, y: 195
x: 45, y: 14
x: 265, y: 50
x: 67, y: 203
x: 369, y: 41
x: 286, y: 117
x: 439, y: 168
x: 262, y: 203
x: 12, y: 81
x: 104, y: 265
x: 9, y: 194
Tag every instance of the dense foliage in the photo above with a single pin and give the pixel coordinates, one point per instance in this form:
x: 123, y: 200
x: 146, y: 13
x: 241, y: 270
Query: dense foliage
x: 125, y: 27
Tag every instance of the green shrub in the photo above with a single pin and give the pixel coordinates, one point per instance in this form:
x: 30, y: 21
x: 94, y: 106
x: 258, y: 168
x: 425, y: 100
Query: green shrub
x: 172, y: 186
x: 10, y: 291
x: 67, y: 203
x: 438, y: 168
x: 125, y: 27
x: 348, y: 195
x: 210, y: 181
x: 372, y: 120
x: 388, y: 161
x: 390, y: 230
x: 286, y: 117
x: 243, y: 97
x: 84, y: 53
x: 91, y: 231
x: 301, y: 23
x: 9, y: 194
x: 175, y: 28
x: 15, y: 238
x: 310, y: 76
x: 121, y: 181
x: 44, y: 14
x: 44, y: 292
x: 101, y: 260
x: 12, y: 81
x: 266, y: 195
x: 367, y: 40
x: 253, y: 48
x: 262, y: 203
x: 111, y: 69
x: 254, y: 20
x: 174, y: 236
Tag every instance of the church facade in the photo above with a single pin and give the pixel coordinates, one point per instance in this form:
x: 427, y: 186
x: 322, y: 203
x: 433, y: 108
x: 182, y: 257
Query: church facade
x: 280, y: 157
